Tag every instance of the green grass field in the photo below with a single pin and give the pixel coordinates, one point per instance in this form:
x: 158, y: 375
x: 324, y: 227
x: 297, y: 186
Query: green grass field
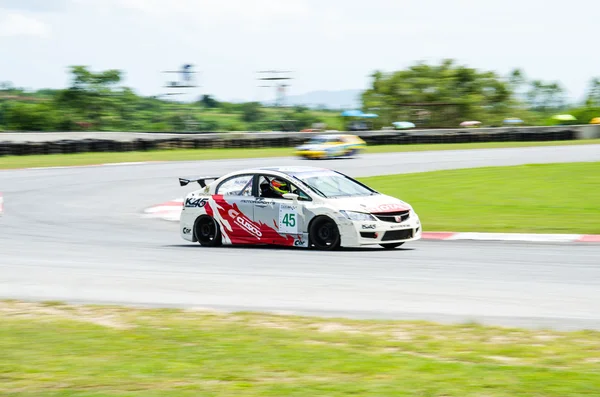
x: 211, y: 154
x: 59, y: 350
x: 547, y: 198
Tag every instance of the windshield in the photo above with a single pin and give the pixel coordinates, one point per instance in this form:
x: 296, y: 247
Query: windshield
x: 320, y: 140
x: 332, y: 184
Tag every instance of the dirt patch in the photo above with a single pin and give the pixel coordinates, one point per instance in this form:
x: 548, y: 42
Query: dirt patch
x: 402, y: 336
x: 505, y: 359
x: 103, y: 317
x: 336, y: 327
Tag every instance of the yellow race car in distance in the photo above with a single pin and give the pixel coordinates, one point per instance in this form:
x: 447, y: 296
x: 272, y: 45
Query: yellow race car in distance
x: 331, y: 146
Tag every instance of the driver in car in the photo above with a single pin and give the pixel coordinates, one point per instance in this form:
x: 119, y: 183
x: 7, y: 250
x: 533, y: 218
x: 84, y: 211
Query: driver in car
x: 274, y: 189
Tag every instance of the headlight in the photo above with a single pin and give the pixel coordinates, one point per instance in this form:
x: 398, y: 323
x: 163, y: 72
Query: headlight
x: 358, y: 216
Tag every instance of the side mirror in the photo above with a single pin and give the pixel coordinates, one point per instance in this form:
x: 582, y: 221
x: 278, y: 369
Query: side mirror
x: 291, y: 196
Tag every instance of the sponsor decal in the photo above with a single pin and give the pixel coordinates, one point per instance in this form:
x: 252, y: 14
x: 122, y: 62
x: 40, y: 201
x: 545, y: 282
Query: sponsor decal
x: 259, y: 201
x: 244, y: 223
x: 399, y: 226
x: 186, y: 230
x: 195, y: 202
x: 300, y: 241
x: 368, y: 227
x: 237, y: 228
x: 388, y: 208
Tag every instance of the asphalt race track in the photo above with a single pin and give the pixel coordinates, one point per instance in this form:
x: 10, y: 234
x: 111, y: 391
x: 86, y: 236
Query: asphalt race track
x: 77, y: 235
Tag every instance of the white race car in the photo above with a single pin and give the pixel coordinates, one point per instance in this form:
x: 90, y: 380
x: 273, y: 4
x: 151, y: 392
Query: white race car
x: 296, y: 207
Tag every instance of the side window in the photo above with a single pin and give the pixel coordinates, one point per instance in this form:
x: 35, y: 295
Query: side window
x: 301, y: 195
x: 236, y: 186
x: 265, y: 188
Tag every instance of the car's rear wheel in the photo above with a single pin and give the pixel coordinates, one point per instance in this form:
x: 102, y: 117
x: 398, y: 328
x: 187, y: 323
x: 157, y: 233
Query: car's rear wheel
x: 207, y: 232
x: 324, y: 234
x: 391, y: 246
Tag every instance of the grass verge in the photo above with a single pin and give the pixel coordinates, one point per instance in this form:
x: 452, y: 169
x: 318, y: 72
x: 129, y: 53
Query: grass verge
x: 62, y: 350
x: 50, y: 160
x: 546, y: 198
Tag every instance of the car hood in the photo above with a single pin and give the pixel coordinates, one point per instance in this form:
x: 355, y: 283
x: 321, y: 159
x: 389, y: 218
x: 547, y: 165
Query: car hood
x: 379, y: 203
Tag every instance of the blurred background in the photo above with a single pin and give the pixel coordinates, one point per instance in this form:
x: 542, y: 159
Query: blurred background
x: 264, y: 65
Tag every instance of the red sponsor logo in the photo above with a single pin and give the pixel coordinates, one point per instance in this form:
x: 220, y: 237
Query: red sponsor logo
x: 244, y: 223
x: 388, y: 208
x: 245, y: 230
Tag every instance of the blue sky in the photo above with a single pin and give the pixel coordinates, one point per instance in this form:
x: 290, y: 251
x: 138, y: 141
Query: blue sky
x: 329, y: 44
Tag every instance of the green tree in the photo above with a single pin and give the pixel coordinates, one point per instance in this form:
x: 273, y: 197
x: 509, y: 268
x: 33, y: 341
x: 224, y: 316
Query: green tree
x: 461, y: 92
x: 24, y: 116
x: 593, y: 93
x: 545, y: 97
x: 252, y: 112
x: 209, y: 102
x: 92, y: 97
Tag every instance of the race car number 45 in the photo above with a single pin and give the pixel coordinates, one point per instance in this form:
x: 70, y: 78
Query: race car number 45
x: 288, y: 219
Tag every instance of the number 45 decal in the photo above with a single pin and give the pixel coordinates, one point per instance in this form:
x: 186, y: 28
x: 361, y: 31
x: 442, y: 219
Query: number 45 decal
x: 289, y: 220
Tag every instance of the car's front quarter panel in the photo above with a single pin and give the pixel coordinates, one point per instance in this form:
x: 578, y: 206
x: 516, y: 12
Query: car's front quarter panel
x: 381, y: 228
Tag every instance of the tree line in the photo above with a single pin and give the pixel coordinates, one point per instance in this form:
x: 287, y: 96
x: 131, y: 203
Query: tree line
x: 429, y: 95
x: 96, y: 101
x: 446, y: 94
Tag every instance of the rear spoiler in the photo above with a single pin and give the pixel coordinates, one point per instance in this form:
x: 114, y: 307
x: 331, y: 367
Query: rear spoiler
x: 201, y: 181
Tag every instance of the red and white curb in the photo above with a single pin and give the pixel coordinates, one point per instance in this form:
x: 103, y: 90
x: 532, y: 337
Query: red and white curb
x: 526, y: 237
x: 171, y: 211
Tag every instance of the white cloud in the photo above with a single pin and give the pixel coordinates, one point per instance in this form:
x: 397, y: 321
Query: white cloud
x: 35, y: 5
x: 209, y: 11
x: 17, y: 24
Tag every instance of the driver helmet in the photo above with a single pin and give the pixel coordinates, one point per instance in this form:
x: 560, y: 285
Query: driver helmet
x: 279, y: 186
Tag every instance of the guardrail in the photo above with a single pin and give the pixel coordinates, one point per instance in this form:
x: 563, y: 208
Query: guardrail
x: 80, y: 142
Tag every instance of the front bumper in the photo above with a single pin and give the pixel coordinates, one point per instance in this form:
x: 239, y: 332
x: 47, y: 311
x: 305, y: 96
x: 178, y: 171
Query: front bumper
x: 358, y: 233
x: 312, y: 154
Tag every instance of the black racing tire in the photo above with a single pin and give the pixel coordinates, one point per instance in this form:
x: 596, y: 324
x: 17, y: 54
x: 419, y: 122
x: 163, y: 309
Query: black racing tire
x: 391, y: 246
x: 324, y: 234
x: 352, y: 153
x: 208, y: 232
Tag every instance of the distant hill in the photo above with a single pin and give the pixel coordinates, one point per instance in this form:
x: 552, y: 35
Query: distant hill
x: 345, y: 99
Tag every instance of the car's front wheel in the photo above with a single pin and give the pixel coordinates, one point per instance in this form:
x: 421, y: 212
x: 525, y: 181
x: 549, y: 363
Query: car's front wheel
x: 207, y: 232
x: 324, y: 234
x: 391, y: 246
